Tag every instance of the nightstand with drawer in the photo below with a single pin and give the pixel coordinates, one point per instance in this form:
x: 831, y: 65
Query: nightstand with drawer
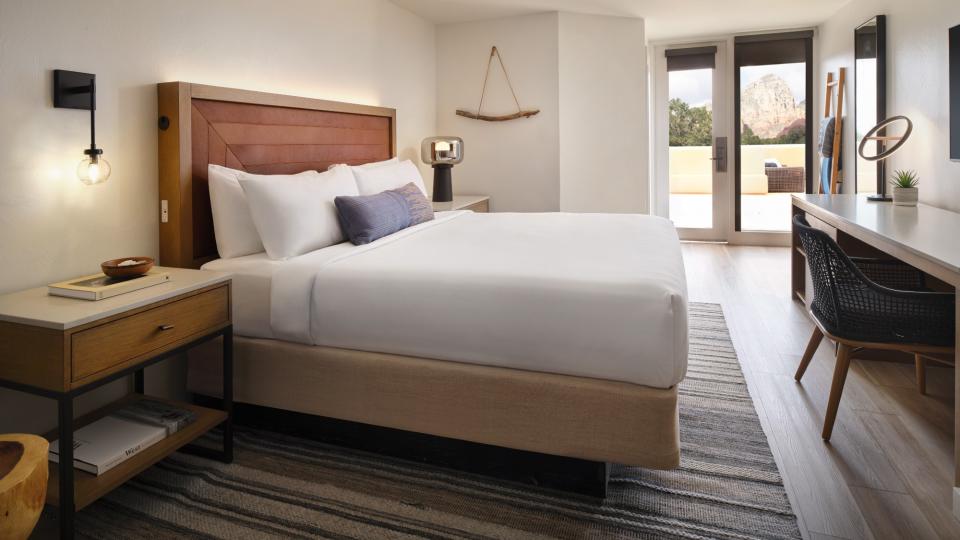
x: 63, y: 347
x: 477, y: 203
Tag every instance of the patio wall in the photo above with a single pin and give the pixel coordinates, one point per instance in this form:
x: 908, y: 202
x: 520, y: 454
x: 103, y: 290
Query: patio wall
x: 690, y: 166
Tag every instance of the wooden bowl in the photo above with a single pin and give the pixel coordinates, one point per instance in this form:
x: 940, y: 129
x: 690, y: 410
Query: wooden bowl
x: 23, y: 483
x: 114, y: 270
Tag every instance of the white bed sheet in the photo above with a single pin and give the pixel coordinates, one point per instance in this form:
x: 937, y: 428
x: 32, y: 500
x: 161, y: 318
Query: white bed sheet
x: 593, y: 295
x: 252, y: 276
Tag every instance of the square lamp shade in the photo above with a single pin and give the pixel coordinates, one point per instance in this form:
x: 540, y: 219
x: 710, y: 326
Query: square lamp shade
x: 442, y: 153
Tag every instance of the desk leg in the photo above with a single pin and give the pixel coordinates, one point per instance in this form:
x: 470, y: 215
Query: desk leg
x: 798, y: 264
x: 228, y: 394
x: 956, y: 411
x: 65, y: 435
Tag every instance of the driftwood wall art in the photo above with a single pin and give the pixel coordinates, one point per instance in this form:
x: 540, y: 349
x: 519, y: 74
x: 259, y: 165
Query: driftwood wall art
x: 521, y: 112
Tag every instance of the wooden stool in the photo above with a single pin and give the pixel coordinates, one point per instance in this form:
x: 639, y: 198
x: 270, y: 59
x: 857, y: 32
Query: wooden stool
x: 23, y: 483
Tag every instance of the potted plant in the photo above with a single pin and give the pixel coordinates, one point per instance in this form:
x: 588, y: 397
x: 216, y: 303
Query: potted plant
x: 905, y: 187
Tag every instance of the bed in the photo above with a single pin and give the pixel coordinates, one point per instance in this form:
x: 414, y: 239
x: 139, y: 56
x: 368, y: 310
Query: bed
x: 563, y: 334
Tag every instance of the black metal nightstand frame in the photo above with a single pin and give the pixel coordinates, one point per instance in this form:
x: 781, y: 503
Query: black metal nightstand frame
x: 65, y: 426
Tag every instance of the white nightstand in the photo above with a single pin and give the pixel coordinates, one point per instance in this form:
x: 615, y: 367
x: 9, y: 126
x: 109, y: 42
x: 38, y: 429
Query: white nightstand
x: 477, y: 203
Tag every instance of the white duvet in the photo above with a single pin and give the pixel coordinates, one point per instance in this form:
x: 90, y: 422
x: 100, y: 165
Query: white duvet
x: 594, y: 295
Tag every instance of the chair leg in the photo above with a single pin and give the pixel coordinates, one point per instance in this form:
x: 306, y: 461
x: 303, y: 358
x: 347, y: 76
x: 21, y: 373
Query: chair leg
x: 836, y: 389
x: 921, y: 364
x: 812, y: 345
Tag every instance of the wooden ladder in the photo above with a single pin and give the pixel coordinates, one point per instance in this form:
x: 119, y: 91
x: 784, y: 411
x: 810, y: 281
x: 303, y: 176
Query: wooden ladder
x: 837, y: 124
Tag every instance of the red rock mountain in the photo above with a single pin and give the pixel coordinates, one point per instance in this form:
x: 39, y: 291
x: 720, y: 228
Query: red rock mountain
x: 768, y: 106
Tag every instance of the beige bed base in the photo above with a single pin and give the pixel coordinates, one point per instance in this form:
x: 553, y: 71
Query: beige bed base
x: 568, y: 416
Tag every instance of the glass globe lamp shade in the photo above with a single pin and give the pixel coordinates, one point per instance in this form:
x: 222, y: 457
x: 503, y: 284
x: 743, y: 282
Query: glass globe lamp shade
x: 93, y: 170
x: 442, y: 150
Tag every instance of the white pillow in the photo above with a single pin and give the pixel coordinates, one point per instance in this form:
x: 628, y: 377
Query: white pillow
x: 371, y: 181
x: 295, y: 214
x: 233, y: 226
x: 370, y: 165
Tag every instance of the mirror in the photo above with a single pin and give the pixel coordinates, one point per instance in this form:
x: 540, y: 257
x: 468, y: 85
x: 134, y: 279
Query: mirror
x: 955, y: 93
x: 870, y: 74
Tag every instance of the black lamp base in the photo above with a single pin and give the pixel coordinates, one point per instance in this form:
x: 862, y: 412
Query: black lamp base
x: 442, y: 182
x: 879, y: 198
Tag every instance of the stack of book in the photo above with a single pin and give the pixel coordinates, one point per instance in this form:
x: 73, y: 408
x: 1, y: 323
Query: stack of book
x: 117, y: 437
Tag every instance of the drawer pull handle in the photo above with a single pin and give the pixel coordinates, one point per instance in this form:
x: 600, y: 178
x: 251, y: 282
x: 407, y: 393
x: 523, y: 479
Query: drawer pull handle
x: 165, y: 327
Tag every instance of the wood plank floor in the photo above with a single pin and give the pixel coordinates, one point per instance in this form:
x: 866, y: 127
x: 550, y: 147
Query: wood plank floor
x: 888, y: 471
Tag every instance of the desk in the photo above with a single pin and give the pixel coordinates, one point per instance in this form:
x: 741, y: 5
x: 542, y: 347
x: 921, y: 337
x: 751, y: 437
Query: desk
x: 925, y: 237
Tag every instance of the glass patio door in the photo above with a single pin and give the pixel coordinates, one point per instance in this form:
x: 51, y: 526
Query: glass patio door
x: 693, y: 156
x: 773, y: 82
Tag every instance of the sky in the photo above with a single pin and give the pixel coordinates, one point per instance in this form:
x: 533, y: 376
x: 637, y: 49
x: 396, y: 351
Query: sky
x: 695, y: 86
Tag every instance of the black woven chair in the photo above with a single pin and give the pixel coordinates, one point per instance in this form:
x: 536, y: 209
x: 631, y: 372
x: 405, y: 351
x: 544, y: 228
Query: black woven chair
x: 870, y: 304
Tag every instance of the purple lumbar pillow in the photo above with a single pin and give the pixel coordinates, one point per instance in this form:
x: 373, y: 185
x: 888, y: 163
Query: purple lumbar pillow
x: 365, y: 218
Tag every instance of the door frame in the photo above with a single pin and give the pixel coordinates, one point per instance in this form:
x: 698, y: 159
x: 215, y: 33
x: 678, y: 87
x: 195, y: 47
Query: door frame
x: 722, y: 127
x: 660, y: 136
x: 809, y: 158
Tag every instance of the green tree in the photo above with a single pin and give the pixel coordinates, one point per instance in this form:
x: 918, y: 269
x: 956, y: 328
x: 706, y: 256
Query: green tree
x: 747, y: 136
x: 794, y: 134
x: 690, y: 126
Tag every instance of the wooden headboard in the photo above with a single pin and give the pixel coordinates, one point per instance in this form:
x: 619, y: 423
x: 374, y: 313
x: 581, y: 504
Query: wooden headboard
x: 255, y: 132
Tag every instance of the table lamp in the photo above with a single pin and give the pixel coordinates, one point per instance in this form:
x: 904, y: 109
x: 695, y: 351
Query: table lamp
x: 442, y: 153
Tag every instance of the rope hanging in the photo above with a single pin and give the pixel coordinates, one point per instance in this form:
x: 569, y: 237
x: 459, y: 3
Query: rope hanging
x: 521, y: 113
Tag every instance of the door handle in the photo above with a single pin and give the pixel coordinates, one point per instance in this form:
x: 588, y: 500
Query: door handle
x: 165, y: 327
x: 719, y: 154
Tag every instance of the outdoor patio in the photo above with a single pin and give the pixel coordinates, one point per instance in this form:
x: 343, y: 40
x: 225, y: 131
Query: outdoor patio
x: 769, y: 212
x: 765, y: 199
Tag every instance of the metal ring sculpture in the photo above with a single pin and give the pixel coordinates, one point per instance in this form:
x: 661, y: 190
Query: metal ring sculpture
x: 887, y: 152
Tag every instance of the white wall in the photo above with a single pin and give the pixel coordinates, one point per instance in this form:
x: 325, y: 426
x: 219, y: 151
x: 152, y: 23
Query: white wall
x: 603, y: 114
x: 52, y: 227
x: 586, y: 74
x: 514, y: 162
x: 917, y: 86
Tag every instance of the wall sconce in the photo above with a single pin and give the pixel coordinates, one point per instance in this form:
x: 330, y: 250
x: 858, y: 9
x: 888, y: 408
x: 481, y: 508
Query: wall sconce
x: 442, y: 153
x: 74, y: 90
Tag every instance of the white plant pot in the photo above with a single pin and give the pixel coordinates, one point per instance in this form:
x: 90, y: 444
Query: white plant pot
x: 905, y: 196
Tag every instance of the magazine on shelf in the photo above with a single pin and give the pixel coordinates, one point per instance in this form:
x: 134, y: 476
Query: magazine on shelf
x: 108, y: 442
x: 99, y: 286
x: 158, y: 413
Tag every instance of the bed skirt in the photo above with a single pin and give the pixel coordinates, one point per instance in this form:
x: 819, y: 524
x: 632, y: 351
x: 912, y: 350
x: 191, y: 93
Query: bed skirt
x: 577, y: 417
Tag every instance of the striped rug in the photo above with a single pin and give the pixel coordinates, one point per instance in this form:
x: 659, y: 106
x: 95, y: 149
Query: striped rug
x: 281, y: 487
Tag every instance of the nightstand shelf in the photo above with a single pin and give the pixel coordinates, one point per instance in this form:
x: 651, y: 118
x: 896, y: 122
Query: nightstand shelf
x: 476, y: 203
x: 88, y: 487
